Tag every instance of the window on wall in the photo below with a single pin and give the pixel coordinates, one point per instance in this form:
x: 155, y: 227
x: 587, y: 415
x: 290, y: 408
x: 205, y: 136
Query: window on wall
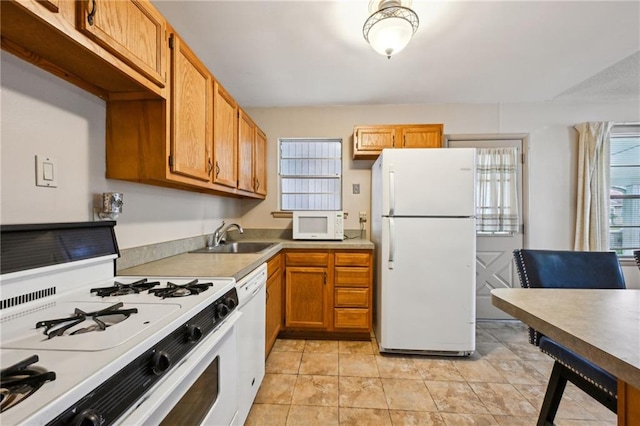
x: 310, y: 174
x: 624, y: 202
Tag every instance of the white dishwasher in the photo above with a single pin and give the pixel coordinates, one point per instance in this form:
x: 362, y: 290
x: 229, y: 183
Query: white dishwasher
x: 251, y: 338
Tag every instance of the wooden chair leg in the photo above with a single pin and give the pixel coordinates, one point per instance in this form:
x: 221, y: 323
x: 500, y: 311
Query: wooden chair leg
x: 553, y: 395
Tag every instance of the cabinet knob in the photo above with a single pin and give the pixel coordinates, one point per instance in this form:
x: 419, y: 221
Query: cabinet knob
x: 209, y: 166
x: 217, y: 169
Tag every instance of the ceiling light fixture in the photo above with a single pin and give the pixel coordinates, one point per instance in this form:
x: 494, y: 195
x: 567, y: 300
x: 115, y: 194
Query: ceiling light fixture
x: 390, y: 26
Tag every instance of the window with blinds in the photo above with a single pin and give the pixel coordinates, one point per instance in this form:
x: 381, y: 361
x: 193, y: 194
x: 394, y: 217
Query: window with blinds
x: 310, y: 174
x: 624, y: 199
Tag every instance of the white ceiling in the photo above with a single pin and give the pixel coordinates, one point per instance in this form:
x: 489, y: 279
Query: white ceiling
x: 311, y: 53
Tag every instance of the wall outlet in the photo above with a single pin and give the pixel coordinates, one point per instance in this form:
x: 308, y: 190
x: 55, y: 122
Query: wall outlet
x: 363, y: 217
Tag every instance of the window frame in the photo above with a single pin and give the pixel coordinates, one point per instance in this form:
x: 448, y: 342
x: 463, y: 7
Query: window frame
x: 282, y: 140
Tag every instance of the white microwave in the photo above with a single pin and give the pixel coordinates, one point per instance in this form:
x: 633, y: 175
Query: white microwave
x: 318, y: 225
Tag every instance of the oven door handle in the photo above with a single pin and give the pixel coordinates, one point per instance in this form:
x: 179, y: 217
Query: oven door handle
x: 157, y: 402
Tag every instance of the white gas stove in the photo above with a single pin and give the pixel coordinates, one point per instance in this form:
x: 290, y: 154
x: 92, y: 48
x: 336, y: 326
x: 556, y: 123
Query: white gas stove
x: 104, y: 357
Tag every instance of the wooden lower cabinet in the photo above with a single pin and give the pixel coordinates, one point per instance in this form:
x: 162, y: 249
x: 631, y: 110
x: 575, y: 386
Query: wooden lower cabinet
x: 274, y: 309
x: 307, y: 297
x: 352, y: 292
x: 328, y: 292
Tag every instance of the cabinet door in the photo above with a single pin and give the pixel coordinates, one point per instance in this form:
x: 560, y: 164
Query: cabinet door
x: 260, y: 163
x: 190, y: 113
x: 371, y: 140
x: 274, y: 309
x: 424, y: 136
x: 307, y: 298
x: 246, y: 136
x: 133, y: 30
x: 225, y: 137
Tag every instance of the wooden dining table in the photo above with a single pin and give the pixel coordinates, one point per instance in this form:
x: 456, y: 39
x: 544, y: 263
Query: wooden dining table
x: 603, y: 326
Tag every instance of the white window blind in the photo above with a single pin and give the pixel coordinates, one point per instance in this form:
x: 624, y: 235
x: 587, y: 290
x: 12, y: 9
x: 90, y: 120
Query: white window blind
x: 624, y: 198
x: 310, y: 174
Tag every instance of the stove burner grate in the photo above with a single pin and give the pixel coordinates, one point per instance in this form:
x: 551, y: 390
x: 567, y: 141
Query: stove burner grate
x: 20, y: 381
x: 120, y: 289
x: 102, y: 319
x: 176, y: 290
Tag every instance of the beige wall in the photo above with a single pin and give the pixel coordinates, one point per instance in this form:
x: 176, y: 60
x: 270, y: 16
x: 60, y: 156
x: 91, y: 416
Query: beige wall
x: 551, y: 156
x: 44, y: 115
x: 338, y: 122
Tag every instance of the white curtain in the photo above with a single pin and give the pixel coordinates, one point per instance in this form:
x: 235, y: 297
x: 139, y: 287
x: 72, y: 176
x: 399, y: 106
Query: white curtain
x: 592, y: 210
x: 497, y: 195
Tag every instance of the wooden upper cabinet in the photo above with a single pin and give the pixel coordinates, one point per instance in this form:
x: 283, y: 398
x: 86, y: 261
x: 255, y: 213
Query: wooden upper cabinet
x: 260, y: 163
x: 191, y: 114
x: 246, y: 139
x: 369, y: 141
x: 133, y: 30
x: 423, y: 136
x: 225, y: 137
x: 252, y: 146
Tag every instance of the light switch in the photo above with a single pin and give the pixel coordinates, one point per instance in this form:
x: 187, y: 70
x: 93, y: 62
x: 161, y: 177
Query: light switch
x: 46, y: 173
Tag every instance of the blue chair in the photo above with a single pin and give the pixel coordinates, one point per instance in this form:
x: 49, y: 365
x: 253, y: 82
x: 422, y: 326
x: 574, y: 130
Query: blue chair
x: 570, y: 269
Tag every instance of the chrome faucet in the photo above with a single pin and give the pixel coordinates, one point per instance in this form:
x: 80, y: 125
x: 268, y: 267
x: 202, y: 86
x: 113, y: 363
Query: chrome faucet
x: 220, y: 234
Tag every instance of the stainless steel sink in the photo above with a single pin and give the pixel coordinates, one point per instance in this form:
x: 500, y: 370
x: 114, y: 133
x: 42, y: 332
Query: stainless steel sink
x: 237, y: 247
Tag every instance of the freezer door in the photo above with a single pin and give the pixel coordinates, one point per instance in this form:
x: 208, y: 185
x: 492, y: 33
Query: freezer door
x: 428, y: 182
x: 426, y: 284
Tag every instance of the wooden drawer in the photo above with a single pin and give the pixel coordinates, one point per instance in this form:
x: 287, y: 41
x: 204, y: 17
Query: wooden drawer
x: 274, y: 264
x: 307, y: 259
x: 352, y: 259
x: 351, y: 298
x: 352, y: 277
x: 351, y: 318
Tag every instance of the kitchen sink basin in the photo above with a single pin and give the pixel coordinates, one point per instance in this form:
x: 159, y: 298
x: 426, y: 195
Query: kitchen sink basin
x: 237, y: 247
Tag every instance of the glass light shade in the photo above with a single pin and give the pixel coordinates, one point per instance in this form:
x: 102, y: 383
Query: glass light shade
x: 389, y: 36
x: 390, y: 29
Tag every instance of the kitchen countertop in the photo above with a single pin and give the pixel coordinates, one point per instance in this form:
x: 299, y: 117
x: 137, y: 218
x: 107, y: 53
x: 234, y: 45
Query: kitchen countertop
x: 235, y: 265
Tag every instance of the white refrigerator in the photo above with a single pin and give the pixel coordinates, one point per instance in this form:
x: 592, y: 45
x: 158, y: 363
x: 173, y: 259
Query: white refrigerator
x: 423, y: 227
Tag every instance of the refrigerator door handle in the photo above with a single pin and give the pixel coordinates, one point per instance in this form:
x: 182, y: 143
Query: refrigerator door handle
x: 392, y: 242
x: 392, y: 193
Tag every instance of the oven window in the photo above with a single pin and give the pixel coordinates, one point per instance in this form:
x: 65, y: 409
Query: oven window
x: 197, y: 402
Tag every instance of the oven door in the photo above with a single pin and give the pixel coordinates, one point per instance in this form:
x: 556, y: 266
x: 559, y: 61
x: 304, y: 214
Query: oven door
x: 200, y: 390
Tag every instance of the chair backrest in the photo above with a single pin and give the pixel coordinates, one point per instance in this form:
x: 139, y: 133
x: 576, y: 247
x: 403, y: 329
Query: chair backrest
x: 568, y: 269
x: 636, y: 256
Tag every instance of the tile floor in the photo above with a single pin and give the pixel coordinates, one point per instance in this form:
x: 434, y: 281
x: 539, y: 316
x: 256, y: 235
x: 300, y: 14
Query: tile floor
x: 329, y: 382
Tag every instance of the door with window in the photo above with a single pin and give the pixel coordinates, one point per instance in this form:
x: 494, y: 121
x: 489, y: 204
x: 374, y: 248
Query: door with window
x: 495, y: 244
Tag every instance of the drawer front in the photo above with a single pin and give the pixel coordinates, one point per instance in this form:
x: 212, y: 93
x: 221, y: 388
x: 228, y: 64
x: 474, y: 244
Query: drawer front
x: 307, y: 259
x: 274, y: 264
x: 351, y: 298
x: 351, y: 318
x: 352, y: 277
x: 352, y: 259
